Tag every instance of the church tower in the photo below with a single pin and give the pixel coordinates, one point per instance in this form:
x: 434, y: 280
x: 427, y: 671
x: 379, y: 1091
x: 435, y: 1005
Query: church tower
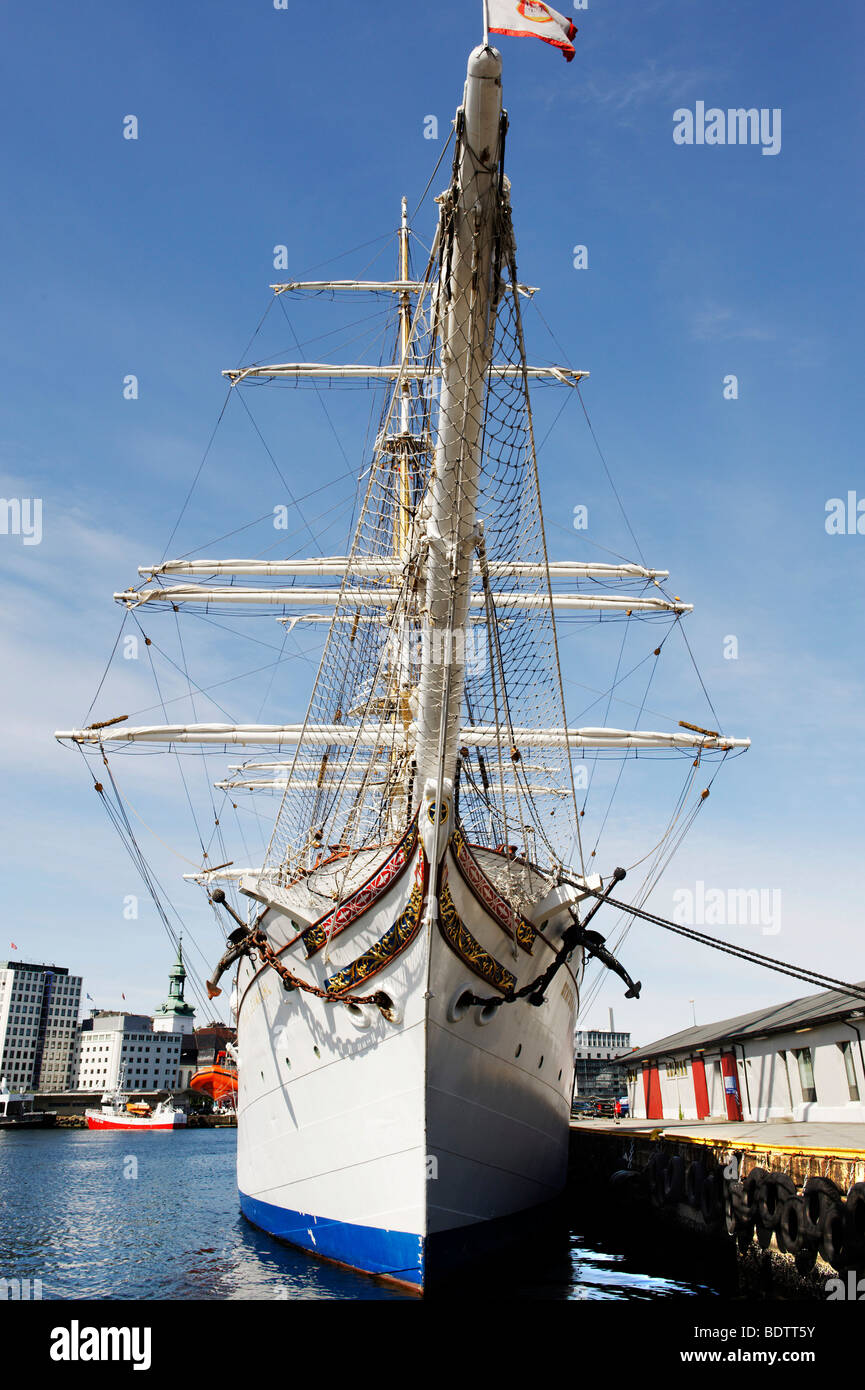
x: 175, y: 1015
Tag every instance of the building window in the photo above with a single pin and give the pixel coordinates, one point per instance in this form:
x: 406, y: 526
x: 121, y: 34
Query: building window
x: 805, y: 1058
x: 850, y: 1069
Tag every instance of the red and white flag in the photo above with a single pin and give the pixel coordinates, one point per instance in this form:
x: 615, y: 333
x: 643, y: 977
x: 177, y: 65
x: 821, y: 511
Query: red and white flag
x: 531, y: 18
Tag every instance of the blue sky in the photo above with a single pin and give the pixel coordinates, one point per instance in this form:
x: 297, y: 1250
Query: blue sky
x: 259, y: 127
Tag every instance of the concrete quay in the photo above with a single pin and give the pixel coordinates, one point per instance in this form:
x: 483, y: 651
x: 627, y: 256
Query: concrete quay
x: 784, y: 1200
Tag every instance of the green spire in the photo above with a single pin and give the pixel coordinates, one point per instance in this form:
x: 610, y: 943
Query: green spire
x: 174, y: 1006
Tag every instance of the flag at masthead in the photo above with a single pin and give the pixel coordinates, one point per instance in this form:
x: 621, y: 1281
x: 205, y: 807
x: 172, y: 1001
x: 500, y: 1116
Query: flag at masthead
x: 530, y: 19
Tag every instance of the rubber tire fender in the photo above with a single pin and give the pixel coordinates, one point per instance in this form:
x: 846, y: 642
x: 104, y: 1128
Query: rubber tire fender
x: 674, y: 1181
x: 792, y: 1227
x: 832, y: 1235
x: 711, y: 1204
x: 655, y: 1174
x: 734, y: 1218
x: 694, y: 1179
x: 771, y: 1195
x: 628, y: 1186
x: 854, y: 1221
x: 739, y: 1197
x: 750, y: 1184
x: 818, y: 1193
x: 764, y: 1235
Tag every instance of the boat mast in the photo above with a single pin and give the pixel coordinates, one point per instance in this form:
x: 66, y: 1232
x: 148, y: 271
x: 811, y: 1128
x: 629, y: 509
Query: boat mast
x: 403, y: 509
x: 465, y: 294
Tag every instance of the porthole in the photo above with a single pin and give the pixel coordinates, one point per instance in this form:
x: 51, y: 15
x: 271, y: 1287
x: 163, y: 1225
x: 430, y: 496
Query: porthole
x: 540, y: 1063
x: 460, y: 1004
x: 560, y: 1074
x: 288, y: 1063
x: 519, y: 1049
x: 316, y: 1051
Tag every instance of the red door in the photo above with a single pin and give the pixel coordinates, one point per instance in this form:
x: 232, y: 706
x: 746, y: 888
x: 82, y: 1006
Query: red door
x: 731, y: 1086
x: 652, y: 1091
x: 701, y: 1093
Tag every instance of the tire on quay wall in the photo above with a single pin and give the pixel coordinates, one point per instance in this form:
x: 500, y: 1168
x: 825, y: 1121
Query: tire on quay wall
x: 764, y: 1235
x: 674, y: 1181
x: 734, y: 1207
x: 628, y: 1185
x: 655, y: 1175
x: 739, y: 1212
x: 854, y: 1222
x: 694, y: 1179
x: 832, y: 1235
x: 791, y: 1225
x: 750, y: 1187
x: 711, y: 1200
x: 818, y: 1193
x: 771, y: 1194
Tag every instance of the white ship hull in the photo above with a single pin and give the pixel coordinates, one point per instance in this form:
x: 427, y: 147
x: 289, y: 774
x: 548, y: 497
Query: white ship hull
x: 384, y: 1145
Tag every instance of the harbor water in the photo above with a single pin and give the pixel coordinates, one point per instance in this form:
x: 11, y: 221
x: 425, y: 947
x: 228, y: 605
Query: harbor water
x: 99, y: 1215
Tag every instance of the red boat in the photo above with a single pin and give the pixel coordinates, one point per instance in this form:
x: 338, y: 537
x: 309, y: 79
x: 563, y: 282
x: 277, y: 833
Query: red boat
x: 116, y: 1112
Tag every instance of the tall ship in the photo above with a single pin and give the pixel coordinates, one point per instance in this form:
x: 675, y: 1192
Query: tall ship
x: 406, y: 962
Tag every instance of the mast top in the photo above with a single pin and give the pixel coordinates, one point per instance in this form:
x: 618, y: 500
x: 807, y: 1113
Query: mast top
x: 485, y: 62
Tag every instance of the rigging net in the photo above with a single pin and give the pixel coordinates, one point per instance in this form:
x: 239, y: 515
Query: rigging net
x: 360, y: 791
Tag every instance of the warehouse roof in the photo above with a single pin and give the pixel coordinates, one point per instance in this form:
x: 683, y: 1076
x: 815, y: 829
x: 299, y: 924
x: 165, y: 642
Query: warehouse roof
x: 776, y: 1018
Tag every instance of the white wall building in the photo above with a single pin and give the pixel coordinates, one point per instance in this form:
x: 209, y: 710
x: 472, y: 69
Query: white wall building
x: 115, y: 1049
x: 39, y: 1007
x: 804, y: 1060
x: 134, y: 1051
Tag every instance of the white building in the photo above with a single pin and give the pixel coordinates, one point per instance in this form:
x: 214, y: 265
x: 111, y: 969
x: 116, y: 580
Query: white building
x: 804, y: 1060
x: 39, y: 1007
x: 116, y: 1049
x: 134, y: 1051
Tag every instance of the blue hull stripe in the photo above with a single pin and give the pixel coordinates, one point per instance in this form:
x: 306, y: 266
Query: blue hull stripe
x: 397, y: 1253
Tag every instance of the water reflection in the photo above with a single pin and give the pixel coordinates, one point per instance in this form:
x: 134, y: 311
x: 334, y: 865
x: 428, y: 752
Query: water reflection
x: 155, y: 1216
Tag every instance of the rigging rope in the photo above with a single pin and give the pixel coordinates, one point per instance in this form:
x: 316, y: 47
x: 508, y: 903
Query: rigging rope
x: 741, y: 952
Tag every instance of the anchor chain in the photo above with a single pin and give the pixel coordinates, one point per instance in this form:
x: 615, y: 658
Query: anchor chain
x: 249, y: 939
x: 259, y: 942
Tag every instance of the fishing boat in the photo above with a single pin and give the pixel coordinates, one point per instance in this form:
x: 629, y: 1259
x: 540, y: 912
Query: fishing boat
x: 117, y: 1111
x: 407, y: 959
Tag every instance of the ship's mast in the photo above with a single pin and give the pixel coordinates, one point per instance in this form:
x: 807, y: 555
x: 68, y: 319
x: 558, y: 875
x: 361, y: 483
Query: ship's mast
x: 467, y: 234
x: 403, y: 508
